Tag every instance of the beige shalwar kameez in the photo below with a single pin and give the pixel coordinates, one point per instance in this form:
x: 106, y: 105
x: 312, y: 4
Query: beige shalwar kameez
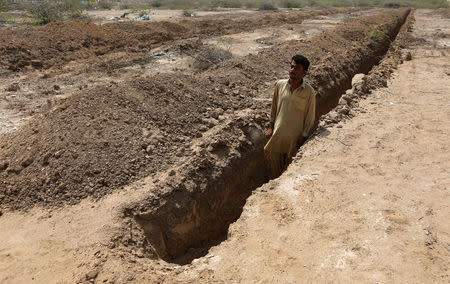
x: 292, y: 115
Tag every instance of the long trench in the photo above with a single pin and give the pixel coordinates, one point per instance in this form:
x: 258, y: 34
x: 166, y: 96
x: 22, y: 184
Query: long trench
x: 187, y: 223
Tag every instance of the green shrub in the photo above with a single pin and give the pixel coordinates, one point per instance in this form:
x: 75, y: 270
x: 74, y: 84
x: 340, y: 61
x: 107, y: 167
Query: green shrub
x: 124, y: 6
x: 267, y: 7
x: 156, y: 3
x: 105, y: 4
x: 376, y: 34
x: 45, y: 12
x: 227, y: 3
x: 291, y: 4
x: 50, y: 11
x: 188, y: 13
x: 135, y: 6
x: 3, y: 6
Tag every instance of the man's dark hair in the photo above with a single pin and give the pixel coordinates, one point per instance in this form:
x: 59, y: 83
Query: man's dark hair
x: 300, y: 59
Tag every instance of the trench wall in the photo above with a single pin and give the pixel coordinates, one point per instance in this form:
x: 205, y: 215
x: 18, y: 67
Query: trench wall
x: 191, y: 217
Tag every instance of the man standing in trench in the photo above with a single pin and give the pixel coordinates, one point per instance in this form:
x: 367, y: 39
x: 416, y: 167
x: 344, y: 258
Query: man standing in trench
x: 292, y: 116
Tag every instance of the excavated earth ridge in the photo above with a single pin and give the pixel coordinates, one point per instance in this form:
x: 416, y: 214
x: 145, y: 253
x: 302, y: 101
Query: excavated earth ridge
x: 196, y: 205
x: 72, y: 151
x: 61, y: 42
x: 215, y: 118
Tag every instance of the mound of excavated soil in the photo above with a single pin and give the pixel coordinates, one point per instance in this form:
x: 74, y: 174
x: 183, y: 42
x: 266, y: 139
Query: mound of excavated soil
x: 208, y: 192
x: 108, y: 136
x: 57, y: 43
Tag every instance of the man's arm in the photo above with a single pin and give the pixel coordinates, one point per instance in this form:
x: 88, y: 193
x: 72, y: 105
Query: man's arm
x: 310, y: 116
x: 273, y: 113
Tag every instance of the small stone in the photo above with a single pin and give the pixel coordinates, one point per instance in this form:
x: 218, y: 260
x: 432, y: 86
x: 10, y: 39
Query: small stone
x: 357, y: 79
x: 92, y: 274
x: 58, y: 154
x: 14, y: 169
x: 333, y: 116
x: 27, y: 161
x: 146, y: 133
x: 408, y: 56
x: 342, y: 101
x: 219, y: 111
x: 56, y: 87
x: 150, y: 149
x: 14, y: 87
x: 36, y: 64
x: 45, y: 159
x: 346, y: 98
x: 242, y: 138
x: 344, y: 110
x: 172, y: 173
x: 3, y: 165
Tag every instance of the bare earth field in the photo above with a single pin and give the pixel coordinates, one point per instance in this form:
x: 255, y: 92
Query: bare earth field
x: 124, y: 164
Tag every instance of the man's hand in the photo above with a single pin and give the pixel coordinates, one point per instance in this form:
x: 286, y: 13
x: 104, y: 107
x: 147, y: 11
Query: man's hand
x: 300, y: 141
x: 269, y: 132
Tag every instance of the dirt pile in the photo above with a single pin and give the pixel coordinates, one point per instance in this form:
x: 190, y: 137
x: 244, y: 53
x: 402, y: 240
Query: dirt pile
x: 58, y: 43
x: 108, y: 136
x: 180, y: 217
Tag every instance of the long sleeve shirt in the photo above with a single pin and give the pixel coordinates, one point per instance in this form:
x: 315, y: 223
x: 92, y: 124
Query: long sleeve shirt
x: 293, y: 114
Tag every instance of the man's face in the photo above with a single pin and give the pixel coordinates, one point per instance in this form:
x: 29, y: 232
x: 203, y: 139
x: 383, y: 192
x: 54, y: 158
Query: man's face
x: 296, y: 73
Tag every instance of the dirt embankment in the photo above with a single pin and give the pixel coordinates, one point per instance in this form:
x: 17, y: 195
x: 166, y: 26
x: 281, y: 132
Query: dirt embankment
x: 59, y: 43
x: 108, y: 136
x: 177, y: 219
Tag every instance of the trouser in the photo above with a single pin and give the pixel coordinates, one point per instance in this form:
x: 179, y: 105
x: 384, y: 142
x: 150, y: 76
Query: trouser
x: 278, y: 162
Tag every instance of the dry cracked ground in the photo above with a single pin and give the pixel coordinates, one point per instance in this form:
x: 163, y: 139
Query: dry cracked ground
x: 366, y: 199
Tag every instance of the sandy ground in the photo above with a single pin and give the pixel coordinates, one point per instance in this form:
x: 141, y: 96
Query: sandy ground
x: 104, y: 16
x: 367, y: 202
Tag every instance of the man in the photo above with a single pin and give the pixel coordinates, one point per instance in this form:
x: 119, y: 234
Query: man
x: 292, y: 116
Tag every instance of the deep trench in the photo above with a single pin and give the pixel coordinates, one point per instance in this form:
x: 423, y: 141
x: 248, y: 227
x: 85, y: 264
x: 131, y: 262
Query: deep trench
x: 187, y: 225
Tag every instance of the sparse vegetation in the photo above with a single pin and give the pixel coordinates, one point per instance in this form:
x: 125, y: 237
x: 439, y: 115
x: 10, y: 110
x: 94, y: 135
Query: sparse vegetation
x: 376, y: 34
x: 226, y: 3
x: 210, y: 56
x: 105, y: 4
x: 188, y: 13
x: 46, y: 11
x: 135, y: 5
x: 291, y: 4
x: 50, y: 11
x: 267, y: 7
x: 3, y: 6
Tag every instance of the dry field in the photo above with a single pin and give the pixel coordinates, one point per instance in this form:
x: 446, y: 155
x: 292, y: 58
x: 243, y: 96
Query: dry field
x: 132, y: 151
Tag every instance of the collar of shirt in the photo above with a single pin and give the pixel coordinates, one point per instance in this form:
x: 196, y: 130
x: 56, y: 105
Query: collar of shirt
x: 302, y: 86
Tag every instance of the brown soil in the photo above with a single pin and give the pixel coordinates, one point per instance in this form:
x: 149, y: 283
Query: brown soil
x: 391, y: 194
x: 59, y: 43
x: 204, y: 211
x: 72, y: 151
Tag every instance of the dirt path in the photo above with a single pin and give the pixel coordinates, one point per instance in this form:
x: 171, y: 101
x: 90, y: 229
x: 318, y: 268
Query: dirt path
x: 369, y: 199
